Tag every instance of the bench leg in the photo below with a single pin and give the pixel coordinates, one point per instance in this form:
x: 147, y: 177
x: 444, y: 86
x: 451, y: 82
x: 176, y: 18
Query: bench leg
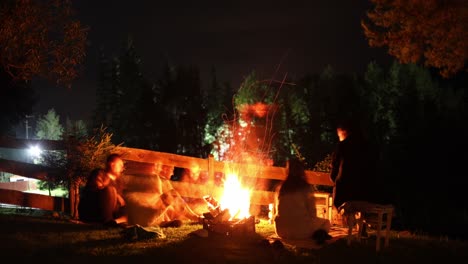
x: 360, y: 225
x: 379, y: 229
x: 387, y: 230
x: 368, y: 214
x: 350, y: 220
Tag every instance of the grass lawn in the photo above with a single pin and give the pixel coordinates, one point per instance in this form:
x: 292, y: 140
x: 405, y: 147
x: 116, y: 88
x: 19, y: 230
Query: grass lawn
x: 26, y: 238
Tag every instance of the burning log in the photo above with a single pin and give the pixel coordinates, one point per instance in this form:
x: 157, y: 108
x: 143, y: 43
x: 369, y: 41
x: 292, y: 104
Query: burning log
x: 219, y: 222
x: 212, y: 203
x: 235, y: 228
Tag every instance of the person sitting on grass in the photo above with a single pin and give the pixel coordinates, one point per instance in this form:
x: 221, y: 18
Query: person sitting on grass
x: 100, y: 199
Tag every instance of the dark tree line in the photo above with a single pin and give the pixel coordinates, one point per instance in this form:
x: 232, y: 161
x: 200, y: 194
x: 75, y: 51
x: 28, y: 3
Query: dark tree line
x: 167, y: 115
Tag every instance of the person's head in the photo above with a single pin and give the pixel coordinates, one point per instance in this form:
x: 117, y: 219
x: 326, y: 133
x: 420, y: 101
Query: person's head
x: 296, y: 176
x: 342, y: 133
x: 115, y: 164
x: 296, y: 167
x: 191, y: 175
x: 163, y: 170
x: 343, y: 130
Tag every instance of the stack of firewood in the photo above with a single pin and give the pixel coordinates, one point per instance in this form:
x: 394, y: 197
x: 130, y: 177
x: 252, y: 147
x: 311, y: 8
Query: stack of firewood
x: 219, y: 221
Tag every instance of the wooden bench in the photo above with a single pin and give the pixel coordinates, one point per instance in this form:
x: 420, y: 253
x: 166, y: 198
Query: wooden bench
x: 360, y: 213
x: 324, y: 205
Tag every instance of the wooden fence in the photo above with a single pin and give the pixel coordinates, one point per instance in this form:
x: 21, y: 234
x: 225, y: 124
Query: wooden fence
x: 140, y: 165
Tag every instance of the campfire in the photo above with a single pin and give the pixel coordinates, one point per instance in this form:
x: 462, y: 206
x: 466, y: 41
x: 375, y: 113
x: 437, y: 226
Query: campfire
x: 230, y: 216
x: 246, y: 143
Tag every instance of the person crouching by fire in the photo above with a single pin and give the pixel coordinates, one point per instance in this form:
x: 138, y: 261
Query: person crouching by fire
x: 296, y: 212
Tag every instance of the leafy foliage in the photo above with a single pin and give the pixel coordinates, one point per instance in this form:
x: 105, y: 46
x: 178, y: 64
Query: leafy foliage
x: 77, y: 129
x: 86, y: 154
x: 430, y: 31
x: 83, y: 154
x: 41, y: 38
x: 324, y: 165
x: 49, y: 127
x: 253, y: 90
x: 267, y: 112
x: 218, y: 104
x: 54, y: 179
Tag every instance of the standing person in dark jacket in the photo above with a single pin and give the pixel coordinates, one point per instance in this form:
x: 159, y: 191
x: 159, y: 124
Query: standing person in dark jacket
x: 353, y: 167
x: 101, y: 200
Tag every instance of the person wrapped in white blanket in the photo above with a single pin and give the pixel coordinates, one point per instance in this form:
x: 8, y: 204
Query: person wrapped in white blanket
x: 296, y: 212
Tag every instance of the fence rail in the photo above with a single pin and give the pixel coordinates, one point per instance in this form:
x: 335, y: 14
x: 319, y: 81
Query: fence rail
x: 140, y: 165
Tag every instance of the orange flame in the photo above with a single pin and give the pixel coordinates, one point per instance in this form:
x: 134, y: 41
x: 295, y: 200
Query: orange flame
x: 235, y: 198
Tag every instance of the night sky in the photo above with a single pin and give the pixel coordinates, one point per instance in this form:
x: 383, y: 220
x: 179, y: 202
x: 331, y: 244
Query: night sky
x: 274, y: 39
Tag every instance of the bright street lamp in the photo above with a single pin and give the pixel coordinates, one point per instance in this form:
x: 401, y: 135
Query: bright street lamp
x: 34, y: 152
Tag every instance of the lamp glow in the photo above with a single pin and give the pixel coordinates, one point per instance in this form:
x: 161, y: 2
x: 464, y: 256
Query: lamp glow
x: 34, y: 151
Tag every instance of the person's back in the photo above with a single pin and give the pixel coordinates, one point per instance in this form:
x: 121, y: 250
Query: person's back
x: 296, y: 213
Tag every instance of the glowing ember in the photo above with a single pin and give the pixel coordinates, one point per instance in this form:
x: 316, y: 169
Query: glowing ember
x: 235, y: 198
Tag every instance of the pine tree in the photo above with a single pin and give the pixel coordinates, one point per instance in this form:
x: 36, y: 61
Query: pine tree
x: 102, y: 114
x: 77, y: 129
x: 49, y: 127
